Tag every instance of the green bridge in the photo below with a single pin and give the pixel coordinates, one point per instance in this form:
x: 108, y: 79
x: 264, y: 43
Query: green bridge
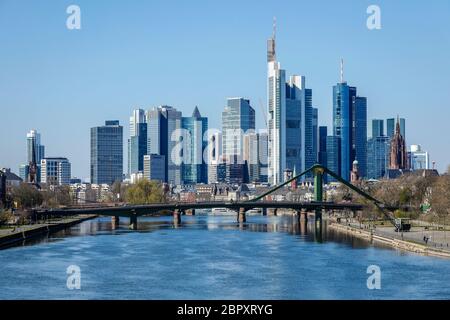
x: 241, y: 207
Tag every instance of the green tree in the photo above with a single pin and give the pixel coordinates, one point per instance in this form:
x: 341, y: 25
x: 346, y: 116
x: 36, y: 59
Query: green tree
x: 144, y: 192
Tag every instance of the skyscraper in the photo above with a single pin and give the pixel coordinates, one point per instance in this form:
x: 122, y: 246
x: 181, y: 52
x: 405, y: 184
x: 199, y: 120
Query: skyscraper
x: 164, y: 138
x: 391, y: 124
x: 154, y: 167
x: 137, y: 144
x: 214, y: 155
x: 255, y: 156
x: 322, y: 153
x: 238, y: 118
x: 107, y: 153
x: 377, y: 128
x: 194, y: 168
x: 290, y: 120
x: 377, y: 157
x: 333, y: 154
x: 315, y: 134
x: 350, y: 126
x: 35, y: 153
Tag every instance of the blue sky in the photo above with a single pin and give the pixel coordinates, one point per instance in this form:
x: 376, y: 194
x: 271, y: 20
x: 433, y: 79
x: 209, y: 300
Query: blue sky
x: 132, y: 54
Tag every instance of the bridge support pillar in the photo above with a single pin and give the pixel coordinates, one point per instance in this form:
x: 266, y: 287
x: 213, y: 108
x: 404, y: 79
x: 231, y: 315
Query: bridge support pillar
x: 133, y: 222
x: 115, y: 221
x: 318, y: 192
x: 241, y: 215
x: 303, y: 215
x: 264, y: 211
x: 275, y: 212
x: 176, y: 216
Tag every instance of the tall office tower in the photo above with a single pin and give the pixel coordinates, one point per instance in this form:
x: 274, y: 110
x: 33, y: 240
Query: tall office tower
x: 333, y: 154
x: 24, y: 172
x: 418, y: 158
x: 255, y: 156
x: 194, y: 168
x: 322, y: 148
x: 315, y: 134
x: 164, y: 138
x: 398, y: 157
x: 107, y: 153
x: 214, y: 153
x: 35, y: 153
x: 137, y: 144
x: 322, y: 153
x: 238, y: 118
x: 391, y: 124
x: 55, y: 171
x: 289, y: 120
x: 377, y: 157
x: 154, y: 167
x: 350, y: 125
x: 359, y: 138
x: 377, y: 128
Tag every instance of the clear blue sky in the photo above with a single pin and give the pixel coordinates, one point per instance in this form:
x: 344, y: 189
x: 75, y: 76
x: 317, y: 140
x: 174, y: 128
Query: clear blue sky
x: 132, y: 54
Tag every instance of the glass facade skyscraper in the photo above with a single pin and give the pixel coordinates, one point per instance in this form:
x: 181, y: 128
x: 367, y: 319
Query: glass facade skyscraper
x: 237, y: 118
x: 377, y: 157
x: 390, y: 125
x: 107, y: 153
x: 333, y: 154
x: 377, y: 128
x: 194, y: 168
x: 164, y: 136
x: 350, y: 126
x: 137, y: 144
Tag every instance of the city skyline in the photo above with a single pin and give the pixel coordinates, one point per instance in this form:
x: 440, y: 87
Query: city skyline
x: 74, y: 100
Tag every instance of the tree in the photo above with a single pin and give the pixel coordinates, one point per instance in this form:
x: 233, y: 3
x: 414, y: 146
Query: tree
x: 440, y: 198
x: 59, y: 196
x: 144, y: 192
x: 27, y: 196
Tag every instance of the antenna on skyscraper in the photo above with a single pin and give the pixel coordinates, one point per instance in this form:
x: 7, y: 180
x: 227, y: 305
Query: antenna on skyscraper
x: 274, y: 27
x: 342, y: 70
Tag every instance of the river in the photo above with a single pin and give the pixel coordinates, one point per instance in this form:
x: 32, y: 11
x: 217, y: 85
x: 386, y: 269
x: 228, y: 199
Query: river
x: 213, y: 257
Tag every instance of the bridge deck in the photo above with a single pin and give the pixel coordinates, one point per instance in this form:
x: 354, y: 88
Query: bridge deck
x: 149, y: 209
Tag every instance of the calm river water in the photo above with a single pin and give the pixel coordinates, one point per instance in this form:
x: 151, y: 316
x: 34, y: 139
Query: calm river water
x: 211, y: 257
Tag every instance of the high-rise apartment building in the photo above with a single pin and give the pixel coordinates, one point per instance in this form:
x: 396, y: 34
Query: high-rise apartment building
x: 107, y: 153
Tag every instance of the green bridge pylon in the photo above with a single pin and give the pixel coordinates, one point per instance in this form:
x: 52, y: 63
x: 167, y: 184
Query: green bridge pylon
x: 318, y: 172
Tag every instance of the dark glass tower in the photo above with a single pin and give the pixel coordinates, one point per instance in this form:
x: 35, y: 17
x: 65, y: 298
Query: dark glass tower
x: 107, y: 153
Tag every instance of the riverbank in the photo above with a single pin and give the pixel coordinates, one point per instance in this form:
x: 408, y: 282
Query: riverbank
x: 11, y: 236
x: 395, y: 243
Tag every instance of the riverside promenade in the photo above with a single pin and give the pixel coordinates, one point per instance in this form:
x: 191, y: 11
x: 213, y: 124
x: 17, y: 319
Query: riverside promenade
x: 409, y: 241
x: 16, y: 234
